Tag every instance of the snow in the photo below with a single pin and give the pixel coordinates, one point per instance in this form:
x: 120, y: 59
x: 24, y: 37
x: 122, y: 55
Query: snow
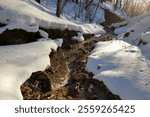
x: 145, y: 37
x: 137, y: 30
x: 124, y: 68
x: 93, y: 29
x: 28, y: 28
x: 43, y: 34
x: 59, y: 41
x: 124, y: 64
x: 131, y: 30
x: 29, y: 12
x: 19, y: 61
x: 79, y: 38
x: 125, y: 25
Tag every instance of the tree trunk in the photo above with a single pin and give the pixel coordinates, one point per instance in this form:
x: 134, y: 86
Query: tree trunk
x: 39, y: 1
x: 116, y: 4
x: 58, y: 10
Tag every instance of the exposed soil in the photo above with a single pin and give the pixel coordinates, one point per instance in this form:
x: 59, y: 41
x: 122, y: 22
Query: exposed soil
x: 111, y: 18
x: 66, y: 78
x: 66, y: 34
x: 18, y: 36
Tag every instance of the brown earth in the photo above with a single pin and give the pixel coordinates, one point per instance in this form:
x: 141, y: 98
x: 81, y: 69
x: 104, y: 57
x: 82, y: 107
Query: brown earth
x: 111, y: 17
x: 18, y: 36
x: 66, y: 78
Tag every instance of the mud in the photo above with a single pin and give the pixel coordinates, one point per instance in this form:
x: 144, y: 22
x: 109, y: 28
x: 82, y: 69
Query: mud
x: 67, y: 78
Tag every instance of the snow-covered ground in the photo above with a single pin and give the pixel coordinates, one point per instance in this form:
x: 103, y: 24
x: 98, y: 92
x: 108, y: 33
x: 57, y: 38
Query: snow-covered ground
x: 124, y: 68
x: 17, y: 62
x: 124, y: 64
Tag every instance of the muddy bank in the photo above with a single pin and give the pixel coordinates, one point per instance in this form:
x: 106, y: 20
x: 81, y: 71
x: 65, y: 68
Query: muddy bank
x: 66, y: 78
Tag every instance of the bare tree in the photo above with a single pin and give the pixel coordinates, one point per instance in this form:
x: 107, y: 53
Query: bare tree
x: 58, y: 9
x: 60, y: 6
x: 118, y: 4
x: 91, y: 19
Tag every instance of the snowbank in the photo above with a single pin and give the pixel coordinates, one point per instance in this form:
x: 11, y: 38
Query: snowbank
x: 124, y: 68
x: 17, y: 62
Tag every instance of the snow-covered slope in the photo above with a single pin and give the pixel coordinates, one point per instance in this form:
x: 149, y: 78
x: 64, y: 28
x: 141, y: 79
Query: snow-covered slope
x: 132, y: 29
x: 17, y: 63
x: 30, y: 12
x: 125, y: 25
x: 124, y: 68
x: 124, y: 64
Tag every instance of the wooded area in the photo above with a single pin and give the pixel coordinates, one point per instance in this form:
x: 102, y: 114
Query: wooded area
x: 131, y: 7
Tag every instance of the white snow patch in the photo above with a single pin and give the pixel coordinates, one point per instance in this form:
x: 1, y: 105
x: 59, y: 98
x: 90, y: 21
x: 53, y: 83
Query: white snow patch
x: 18, y: 62
x: 59, y: 41
x: 79, y: 38
x: 43, y: 34
x: 28, y: 28
x: 145, y: 37
x: 124, y: 68
x: 93, y: 29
